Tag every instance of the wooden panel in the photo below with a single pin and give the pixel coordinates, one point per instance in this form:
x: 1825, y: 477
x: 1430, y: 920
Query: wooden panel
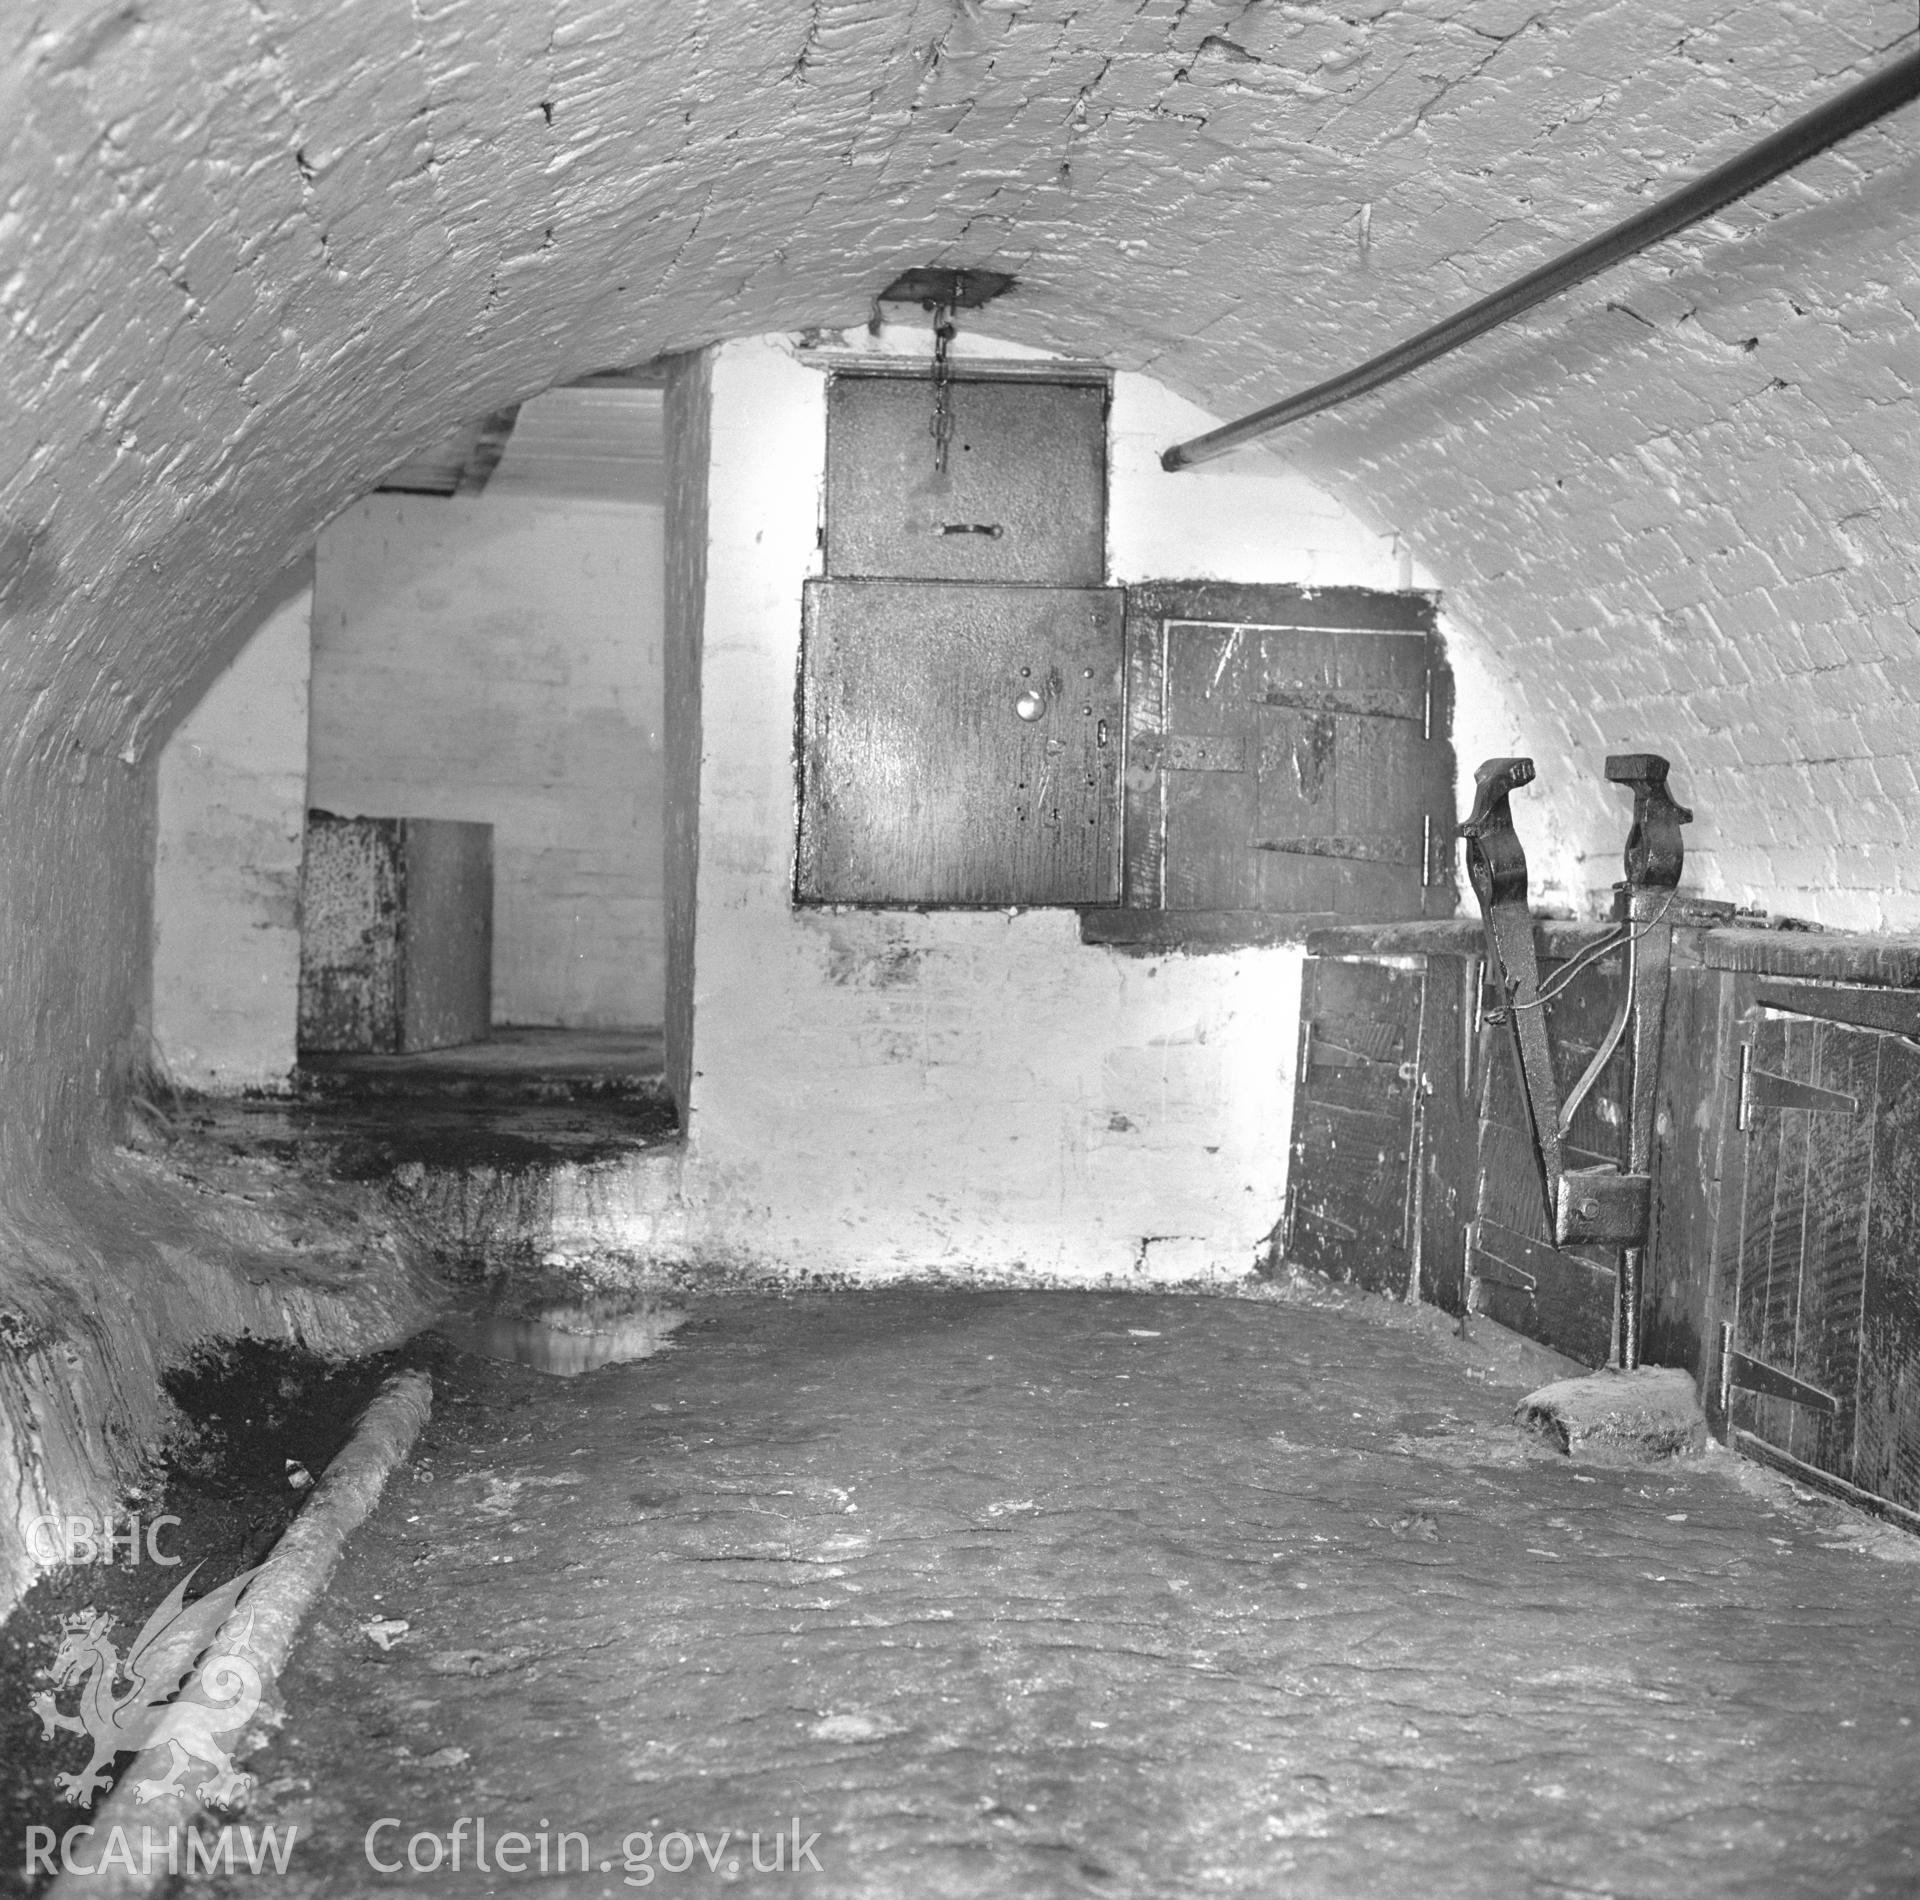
x: 1699, y: 1082
x: 1820, y: 1220
x: 1734, y: 1157
x: 1350, y: 1197
x: 1145, y: 819
x: 446, y: 934
x: 1563, y: 1297
x: 1288, y: 755
x: 1834, y: 1247
x: 1443, y: 1127
x: 1152, y: 932
x: 1895, y: 1010
x: 1354, y: 780
x: 1887, y: 1428
x: 1023, y: 497
x: 921, y: 784
x: 1776, y: 1231
x: 1815, y: 955
x: 1800, y: 1226
x: 1554, y: 938
x: 1208, y: 816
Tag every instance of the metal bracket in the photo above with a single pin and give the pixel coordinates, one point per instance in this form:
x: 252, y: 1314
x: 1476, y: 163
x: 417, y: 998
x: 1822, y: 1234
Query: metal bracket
x: 1602, y: 1207
x: 1377, y: 702
x: 1359, y: 847
x: 936, y: 284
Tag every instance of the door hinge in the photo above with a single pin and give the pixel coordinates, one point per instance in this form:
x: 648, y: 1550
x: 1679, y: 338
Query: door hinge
x: 1361, y: 702
x: 1360, y: 847
x: 1762, y: 1088
x: 1755, y: 1375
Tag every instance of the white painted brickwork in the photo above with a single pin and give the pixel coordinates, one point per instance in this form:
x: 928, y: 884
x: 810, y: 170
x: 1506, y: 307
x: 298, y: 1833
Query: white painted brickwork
x: 226, y: 874
x: 497, y: 659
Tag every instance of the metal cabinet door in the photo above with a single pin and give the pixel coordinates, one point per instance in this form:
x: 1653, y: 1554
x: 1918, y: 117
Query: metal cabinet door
x: 1023, y: 496
x: 960, y: 745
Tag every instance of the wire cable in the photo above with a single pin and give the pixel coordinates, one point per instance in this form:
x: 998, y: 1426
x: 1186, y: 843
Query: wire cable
x: 1586, y: 958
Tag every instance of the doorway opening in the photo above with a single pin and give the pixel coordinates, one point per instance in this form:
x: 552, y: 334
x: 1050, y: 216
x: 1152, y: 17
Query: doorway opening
x: 473, y: 653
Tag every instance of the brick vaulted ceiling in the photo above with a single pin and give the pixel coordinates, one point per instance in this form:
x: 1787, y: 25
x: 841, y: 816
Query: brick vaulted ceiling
x: 251, y: 256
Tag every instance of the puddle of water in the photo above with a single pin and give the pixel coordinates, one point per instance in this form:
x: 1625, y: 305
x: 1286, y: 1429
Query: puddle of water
x: 565, y: 1340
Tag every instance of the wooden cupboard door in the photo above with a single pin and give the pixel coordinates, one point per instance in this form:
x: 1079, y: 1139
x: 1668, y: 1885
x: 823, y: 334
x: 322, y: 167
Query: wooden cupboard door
x: 1818, y: 1249
x: 1288, y: 757
x: 1351, y: 1193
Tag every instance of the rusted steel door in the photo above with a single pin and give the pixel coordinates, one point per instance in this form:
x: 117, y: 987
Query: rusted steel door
x: 1022, y: 496
x: 960, y: 745
x: 1818, y: 1253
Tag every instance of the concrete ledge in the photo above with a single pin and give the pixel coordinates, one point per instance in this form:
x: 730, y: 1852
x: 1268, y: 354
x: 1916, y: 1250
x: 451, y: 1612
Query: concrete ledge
x: 1644, y: 1417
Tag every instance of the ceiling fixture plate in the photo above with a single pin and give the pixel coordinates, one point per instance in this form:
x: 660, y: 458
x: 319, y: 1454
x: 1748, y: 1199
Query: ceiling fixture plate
x: 937, y: 286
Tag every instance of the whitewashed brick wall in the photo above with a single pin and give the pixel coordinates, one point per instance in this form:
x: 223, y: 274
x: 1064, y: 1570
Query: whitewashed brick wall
x: 497, y: 659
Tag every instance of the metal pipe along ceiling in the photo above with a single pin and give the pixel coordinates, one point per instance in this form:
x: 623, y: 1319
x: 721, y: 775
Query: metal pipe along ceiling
x: 1859, y: 106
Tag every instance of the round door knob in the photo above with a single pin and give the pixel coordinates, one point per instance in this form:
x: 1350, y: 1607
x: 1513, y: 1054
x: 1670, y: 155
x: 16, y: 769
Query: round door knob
x: 1030, y: 706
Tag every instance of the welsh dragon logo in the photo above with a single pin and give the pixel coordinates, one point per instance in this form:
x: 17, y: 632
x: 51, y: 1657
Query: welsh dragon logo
x: 143, y: 1715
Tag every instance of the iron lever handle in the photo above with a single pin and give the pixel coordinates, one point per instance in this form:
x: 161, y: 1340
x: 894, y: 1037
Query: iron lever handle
x: 1497, y: 870
x: 1589, y: 1204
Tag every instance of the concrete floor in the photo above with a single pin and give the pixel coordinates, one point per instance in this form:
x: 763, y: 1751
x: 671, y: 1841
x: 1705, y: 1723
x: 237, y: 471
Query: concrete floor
x: 1054, y: 1594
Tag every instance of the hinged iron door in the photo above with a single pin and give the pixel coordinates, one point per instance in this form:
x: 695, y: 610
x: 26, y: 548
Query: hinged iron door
x: 960, y: 745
